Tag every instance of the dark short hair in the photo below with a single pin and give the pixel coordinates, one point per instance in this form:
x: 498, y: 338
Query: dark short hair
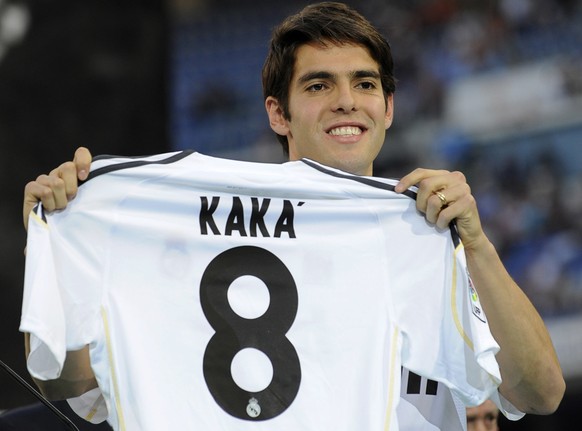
x: 326, y: 22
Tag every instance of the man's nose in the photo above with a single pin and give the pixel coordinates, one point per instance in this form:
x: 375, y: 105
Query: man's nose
x: 345, y: 99
x: 478, y: 425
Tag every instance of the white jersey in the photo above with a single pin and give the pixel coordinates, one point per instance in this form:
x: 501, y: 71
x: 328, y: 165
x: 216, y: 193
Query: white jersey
x: 250, y: 296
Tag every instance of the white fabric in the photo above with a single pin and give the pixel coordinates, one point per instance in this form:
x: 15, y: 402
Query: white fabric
x: 354, y: 280
x: 505, y: 407
x: 90, y: 406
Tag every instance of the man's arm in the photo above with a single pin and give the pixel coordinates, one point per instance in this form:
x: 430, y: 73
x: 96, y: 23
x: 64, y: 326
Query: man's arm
x: 55, y: 190
x: 531, y: 373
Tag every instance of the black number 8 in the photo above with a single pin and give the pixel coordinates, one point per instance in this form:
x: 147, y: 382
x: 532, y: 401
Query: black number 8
x: 265, y: 333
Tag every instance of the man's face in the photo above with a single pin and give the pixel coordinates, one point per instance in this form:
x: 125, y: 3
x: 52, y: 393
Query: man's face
x: 483, y: 417
x: 339, y: 114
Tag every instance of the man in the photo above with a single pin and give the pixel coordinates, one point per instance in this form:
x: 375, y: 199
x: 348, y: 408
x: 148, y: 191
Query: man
x: 328, y: 86
x: 483, y: 417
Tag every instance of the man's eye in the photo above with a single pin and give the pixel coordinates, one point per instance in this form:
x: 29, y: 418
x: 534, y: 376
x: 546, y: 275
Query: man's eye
x: 490, y: 418
x: 367, y: 85
x: 316, y: 87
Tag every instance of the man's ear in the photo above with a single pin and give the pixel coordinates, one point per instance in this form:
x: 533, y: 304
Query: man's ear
x: 389, y: 111
x: 277, y: 119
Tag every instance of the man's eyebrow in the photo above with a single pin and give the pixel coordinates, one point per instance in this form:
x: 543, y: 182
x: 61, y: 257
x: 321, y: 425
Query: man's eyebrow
x: 315, y: 75
x: 366, y: 74
x: 328, y: 75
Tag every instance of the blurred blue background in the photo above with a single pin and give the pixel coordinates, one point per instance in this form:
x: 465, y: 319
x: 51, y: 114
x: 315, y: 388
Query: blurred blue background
x: 492, y: 88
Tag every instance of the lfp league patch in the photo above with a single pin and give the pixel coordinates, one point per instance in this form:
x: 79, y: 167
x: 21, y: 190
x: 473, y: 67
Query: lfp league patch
x: 475, y: 304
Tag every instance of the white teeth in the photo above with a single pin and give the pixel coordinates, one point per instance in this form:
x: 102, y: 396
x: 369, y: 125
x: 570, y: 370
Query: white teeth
x: 345, y: 131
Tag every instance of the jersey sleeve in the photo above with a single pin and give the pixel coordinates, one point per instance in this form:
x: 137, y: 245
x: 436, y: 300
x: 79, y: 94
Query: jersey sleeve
x: 42, y: 309
x: 506, y: 408
x: 61, y: 290
x: 91, y: 406
x: 471, y: 326
x: 445, y: 332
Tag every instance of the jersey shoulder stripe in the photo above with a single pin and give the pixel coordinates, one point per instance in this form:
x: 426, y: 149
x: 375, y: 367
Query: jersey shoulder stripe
x: 110, y: 163
x: 360, y: 179
x: 411, y: 193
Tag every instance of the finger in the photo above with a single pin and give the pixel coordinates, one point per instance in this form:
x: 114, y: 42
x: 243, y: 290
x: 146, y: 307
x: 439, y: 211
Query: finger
x: 82, y: 161
x: 64, y: 182
x: 445, y: 217
x: 445, y: 203
x: 434, y: 206
x: 429, y: 185
x: 50, y: 189
x: 34, y: 192
x: 58, y: 194
x: 418, y: 176
x: 440, y: 205
x: 453, y: 182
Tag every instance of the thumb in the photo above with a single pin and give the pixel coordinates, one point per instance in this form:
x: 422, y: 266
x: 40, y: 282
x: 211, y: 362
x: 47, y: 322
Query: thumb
x: 82, y: 161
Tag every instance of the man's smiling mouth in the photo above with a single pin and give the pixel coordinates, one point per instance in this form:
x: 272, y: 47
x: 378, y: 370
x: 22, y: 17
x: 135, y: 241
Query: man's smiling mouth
x: 345, y: 131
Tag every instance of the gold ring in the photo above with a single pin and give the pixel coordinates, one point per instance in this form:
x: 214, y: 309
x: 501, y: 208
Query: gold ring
x: 442, y: 197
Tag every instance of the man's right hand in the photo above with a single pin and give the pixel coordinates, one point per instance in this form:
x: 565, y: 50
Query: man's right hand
x: 56, y: 189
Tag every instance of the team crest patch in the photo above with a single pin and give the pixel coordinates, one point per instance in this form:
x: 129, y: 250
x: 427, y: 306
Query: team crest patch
x: 253, y: 408
x: 475, y: 304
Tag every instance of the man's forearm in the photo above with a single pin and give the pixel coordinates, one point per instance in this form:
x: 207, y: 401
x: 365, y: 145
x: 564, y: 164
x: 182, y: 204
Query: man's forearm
x: 531, y: 373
